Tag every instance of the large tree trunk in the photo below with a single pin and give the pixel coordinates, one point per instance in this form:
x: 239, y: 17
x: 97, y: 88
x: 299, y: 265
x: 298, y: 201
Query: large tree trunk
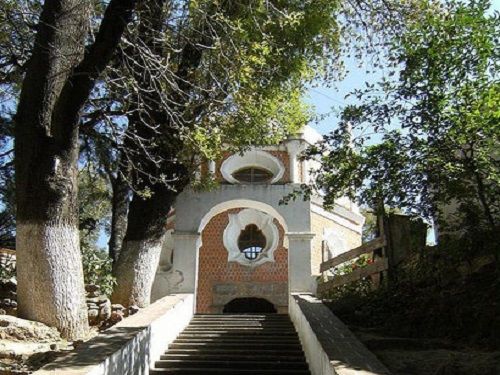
x: 147, y: 218
x: 119, y: 211
x: 141, y: 248
x: 49, y: 269
x: 57, y: 84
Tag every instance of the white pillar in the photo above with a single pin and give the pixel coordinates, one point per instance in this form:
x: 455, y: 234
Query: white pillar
x: 186, y: 259
x: 300, y: 278
x: 293, y: 148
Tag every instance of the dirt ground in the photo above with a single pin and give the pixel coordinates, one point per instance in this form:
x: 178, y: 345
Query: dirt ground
x: 405, y: 356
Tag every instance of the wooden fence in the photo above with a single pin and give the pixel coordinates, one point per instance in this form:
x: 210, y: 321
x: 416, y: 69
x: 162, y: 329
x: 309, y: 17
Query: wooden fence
x: 380, y: 261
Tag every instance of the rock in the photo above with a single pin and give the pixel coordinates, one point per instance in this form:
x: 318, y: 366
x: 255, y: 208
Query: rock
x: 13, y: 304
x: 103, y: 299
x: 11, y: 284
x: 92, y: 306
x: 115, y: 317
x: 117, y: 307
x: 2, y: 312
x: 91, y: 288
x: 11, y: 294
x: 12, y: 328
x: 105, y: 311
x: 92, y: 300
x: 77, y: 343
x: 93, y: 317
x: 133, y: 309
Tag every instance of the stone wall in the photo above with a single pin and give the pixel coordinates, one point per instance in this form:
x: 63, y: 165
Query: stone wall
x: 329, y: 346
x: 220, y: 281
x: 132, y: 346
x: 8, y: 297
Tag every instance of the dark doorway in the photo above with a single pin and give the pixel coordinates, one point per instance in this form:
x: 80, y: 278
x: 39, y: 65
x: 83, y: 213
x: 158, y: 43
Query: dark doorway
x: 249, y: 306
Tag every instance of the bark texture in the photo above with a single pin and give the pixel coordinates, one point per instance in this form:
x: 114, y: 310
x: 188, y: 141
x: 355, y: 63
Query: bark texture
x: 147, y: 217
x: 57, y: 83
x: 119, y: 211
x: 141, y: 249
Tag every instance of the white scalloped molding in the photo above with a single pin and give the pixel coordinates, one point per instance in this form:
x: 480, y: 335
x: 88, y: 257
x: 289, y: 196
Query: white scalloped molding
x: 252, y: 158
x: 238, y: 222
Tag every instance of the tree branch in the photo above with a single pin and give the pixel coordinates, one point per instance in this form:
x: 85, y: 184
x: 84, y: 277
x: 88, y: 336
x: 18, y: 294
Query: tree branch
x: 77, y: 89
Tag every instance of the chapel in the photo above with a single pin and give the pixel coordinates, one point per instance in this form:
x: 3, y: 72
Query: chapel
x: 237, y: 248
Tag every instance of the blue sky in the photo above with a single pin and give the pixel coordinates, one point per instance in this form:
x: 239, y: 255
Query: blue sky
x: 324, y: 98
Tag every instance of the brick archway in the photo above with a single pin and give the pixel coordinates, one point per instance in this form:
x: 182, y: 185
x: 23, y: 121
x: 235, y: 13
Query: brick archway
x: 220, y: 281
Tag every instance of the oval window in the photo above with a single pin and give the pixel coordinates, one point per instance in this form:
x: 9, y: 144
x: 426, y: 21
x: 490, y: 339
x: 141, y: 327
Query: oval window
x: 251, y: 241
x: 253, y: 175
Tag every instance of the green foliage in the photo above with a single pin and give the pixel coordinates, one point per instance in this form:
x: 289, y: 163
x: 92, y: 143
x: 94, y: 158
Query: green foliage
x: 97, y: 267
x: 434, y: 295
x: 94, y: 200
x: 426, y: 136
x: 263, y: 56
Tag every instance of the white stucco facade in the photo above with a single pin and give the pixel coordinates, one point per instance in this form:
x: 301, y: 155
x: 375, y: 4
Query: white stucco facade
x: 245, y: 203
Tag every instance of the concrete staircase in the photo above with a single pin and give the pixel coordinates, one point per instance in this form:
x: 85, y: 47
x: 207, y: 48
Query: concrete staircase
x: 235, y: 344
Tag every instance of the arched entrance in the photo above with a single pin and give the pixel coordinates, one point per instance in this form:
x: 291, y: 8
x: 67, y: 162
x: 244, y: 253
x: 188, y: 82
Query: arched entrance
x: 242, y: 254
x: 249, y: 306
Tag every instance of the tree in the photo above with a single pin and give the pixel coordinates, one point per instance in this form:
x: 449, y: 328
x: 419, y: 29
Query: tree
x: 59, y: 77
x: 191, y: 74
x: 232, y: 63
x: 433, y: 123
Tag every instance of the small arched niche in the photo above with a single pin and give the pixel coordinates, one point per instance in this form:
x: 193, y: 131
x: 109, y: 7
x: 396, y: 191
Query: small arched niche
x: 253, y: 167
x: 249, y: 305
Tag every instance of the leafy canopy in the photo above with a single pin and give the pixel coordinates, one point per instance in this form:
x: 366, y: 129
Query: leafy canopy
x: 427, y: 134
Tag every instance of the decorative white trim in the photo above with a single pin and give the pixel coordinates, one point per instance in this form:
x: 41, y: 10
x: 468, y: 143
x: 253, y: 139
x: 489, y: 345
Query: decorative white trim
x: 237, y: 223
x: 300, y: 236
x: 252, y: 158
x: 294, y: 147
x: 241, y: 203
x: 358, y: 228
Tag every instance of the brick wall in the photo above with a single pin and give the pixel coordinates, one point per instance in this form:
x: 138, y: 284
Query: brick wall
x: 220, y: 281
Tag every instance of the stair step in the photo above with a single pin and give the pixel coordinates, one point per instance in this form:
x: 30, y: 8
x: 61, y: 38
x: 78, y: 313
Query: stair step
x: 242, y: 316
x: 235, y: 351
x: 252, y: 346
x: 227, y: 371
x: 264, y: 365
x: 243, y: 329
x: 245, y: 324
x: 235, y: 340
x: 256, y: 344
x: 222, y: 336
x: 241, y: 321
x: 237, y: 357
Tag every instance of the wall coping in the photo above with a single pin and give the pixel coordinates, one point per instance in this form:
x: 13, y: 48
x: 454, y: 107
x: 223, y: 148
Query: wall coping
x: 132, y: 345
x: 329, y: 346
